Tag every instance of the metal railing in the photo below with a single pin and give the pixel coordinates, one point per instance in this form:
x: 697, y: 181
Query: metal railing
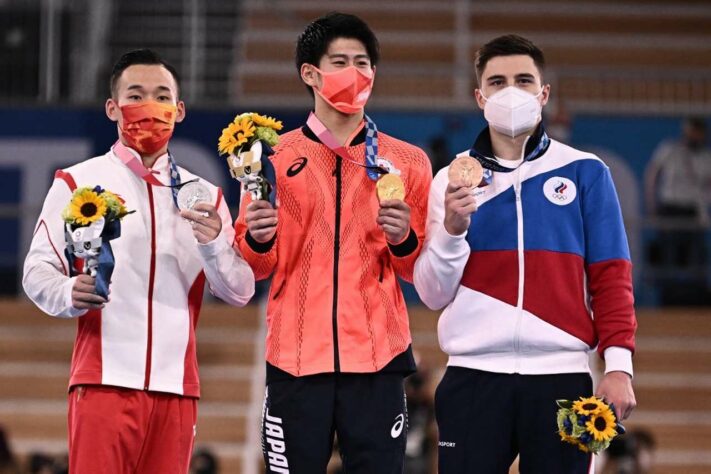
x: 61, y: 51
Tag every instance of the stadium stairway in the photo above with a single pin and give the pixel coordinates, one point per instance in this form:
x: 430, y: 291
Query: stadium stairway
x: 672, y: 381
x: 35, y: 352
x: 596, y: 50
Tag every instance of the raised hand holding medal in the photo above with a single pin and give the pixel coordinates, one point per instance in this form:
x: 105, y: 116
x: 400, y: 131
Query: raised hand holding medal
x: 390, y: 186
x: 394, y: 213
x: 194, y: 200
x: 466, y: 171
x: 192, y: 193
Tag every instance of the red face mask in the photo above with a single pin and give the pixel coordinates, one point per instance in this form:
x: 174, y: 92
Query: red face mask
x: 147, y: 126
x: 346, y: 90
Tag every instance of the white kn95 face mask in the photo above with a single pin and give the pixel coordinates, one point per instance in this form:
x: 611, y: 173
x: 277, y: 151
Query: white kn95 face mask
x: 512, y: 111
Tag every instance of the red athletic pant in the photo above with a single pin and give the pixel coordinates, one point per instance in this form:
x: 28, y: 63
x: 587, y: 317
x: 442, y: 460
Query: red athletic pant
x: 114, y: 430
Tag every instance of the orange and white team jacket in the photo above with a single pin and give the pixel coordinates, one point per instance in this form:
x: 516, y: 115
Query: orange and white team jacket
x: 335, y: 304
x: 144, y: 338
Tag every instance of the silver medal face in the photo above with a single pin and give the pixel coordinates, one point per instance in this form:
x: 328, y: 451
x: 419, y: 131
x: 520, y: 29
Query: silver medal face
x: 191, y: 194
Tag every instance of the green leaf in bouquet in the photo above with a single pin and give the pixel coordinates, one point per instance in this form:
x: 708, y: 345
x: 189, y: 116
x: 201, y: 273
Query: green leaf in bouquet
x: 561, y: 417
x: 267, y: 135
x: 564, y: 404
x: 597, y: 446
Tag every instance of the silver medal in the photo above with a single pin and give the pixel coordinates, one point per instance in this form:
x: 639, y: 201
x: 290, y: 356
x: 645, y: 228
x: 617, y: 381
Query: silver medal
x: 192, y: 193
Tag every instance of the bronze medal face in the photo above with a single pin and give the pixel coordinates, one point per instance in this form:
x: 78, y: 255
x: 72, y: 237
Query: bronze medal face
x: 390, y: 186
x: 466, y: 170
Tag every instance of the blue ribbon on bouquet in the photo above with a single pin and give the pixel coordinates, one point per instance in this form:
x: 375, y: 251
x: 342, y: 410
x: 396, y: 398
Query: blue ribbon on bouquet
x: 268, y: 172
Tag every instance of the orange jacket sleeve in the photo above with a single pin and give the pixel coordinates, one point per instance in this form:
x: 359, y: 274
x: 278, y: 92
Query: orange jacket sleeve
x: 417, y: 190
x: 262, y: 257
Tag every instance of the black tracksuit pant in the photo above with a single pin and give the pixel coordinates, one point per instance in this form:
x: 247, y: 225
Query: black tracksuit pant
x: 485, y: 419
x: 366, y: 411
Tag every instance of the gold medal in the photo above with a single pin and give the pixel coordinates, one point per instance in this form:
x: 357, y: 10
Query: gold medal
x: 390, y: 186
x: 467, y: 171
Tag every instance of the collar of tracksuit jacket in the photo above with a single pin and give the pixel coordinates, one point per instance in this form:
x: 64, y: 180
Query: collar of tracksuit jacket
x: 357, y: 140
x: 536, y: 146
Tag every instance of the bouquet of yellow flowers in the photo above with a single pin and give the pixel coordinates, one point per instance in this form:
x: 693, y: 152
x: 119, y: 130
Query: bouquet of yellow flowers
x: 588, y: 423
x: 93, y: 218
x: 91, y: 204
x: 245, y: 141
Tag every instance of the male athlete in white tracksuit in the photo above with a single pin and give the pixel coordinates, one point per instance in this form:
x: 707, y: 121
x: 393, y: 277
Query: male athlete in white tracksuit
x: 134, y: 382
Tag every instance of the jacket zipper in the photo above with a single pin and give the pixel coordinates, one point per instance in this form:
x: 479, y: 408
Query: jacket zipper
x: 521, y: 260
x: 151, y: 281
x: 278, y: 291
x: 336, y: 253
x: 521, y: 269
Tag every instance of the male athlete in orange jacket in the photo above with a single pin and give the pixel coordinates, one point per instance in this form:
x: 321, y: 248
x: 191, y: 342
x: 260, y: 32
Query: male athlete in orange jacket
x: 338, y: 339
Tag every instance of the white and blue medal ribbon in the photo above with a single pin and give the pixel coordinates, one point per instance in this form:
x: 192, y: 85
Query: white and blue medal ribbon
x: 372, y: 164
x: 175, y: 181
x: 371, y: 149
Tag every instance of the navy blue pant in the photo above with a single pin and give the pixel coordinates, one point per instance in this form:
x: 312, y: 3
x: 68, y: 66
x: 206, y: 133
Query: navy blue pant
x: 367, y: 412
x: 486, y: 419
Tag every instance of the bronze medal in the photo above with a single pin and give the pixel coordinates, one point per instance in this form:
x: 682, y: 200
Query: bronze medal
x: 467, y: 171
x: 390, y: 186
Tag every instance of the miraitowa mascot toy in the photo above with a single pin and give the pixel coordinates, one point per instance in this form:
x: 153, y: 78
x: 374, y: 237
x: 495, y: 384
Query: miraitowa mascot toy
x: 85, y: 243
x: 254, y: 171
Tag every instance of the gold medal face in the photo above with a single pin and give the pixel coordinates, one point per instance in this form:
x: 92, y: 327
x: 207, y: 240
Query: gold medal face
x: 390, y: 186
x: 467, y: 171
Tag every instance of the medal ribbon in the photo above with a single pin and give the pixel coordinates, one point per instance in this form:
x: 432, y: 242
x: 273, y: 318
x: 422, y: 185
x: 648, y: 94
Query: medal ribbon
x: 491, y: 164
x: 136, y: 166
x: 371, y: 145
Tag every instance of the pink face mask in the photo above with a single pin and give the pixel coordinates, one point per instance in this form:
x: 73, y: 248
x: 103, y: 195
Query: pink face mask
x: 346, y: 90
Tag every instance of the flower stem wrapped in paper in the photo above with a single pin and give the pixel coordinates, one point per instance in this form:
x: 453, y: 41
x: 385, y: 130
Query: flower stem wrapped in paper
x: 247, y: 141
x: 93, y: 218
x: 588, y: 423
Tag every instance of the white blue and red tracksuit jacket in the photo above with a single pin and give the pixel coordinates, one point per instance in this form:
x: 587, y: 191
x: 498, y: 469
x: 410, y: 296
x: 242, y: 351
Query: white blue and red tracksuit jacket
x: 144, y: 337
x: 543, y: 274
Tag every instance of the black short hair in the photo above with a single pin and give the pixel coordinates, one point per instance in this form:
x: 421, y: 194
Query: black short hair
x: 318, y: 35
x: 139, y: 56
x: 508, y: 45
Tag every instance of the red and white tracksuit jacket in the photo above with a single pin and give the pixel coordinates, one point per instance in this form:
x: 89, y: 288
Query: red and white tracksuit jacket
x: 144, y: 338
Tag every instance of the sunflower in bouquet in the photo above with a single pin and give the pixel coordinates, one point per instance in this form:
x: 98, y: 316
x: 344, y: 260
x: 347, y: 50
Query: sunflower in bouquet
x: 88, y: 205
x: 588, y: 423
